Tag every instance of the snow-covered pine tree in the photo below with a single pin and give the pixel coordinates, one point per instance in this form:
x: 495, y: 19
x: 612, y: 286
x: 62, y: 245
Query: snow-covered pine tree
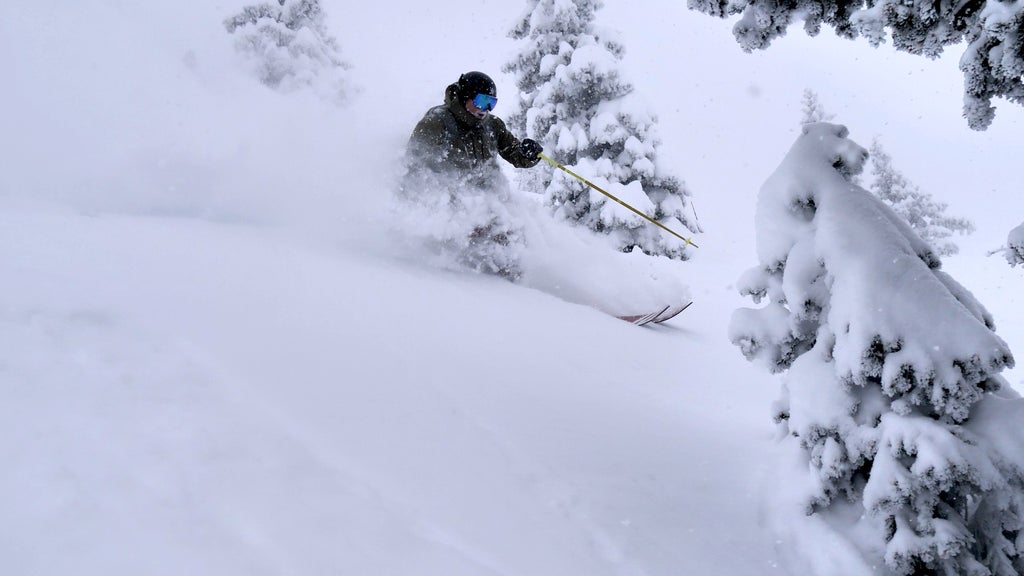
x: 1014, y: 249
x: 812, y: 109
x: 993, y: 31
x: 291, y: 48
x: 889, y: 361
x: 576, y: 103
x: 925, y: 215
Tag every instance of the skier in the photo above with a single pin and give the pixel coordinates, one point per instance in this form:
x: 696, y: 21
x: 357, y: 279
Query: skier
x: 462, y: 135
x: 452, y: 156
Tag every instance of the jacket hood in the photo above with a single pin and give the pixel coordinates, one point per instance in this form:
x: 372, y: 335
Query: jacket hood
x: 458, y: 108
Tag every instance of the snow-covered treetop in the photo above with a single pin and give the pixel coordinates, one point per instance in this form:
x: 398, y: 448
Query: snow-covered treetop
x: 1014, y: 249
x: 812, y: 110
x: 566, y: 69
x: 993, y: 62
x: 925, y: 215
x: 1015, y: 242
x: 290, y: 47
x: 556, y: 16
x: 832, y: 254
x: 293, y: 15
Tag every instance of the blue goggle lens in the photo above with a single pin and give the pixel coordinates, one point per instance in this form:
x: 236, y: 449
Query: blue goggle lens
x: 485, y: 102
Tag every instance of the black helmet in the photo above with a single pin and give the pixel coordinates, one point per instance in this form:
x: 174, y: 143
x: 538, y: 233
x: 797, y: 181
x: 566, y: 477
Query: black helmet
x: 473, y: 83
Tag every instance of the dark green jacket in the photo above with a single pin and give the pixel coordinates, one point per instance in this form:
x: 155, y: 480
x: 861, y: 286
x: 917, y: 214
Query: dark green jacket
x: 449, y: 138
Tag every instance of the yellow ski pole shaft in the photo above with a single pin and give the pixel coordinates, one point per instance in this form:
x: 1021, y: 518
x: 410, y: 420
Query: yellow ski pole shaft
x: 613, y: 197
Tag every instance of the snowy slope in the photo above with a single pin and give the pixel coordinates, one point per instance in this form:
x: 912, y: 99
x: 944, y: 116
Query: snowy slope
x: 218, y: 360
x: 213, y: 398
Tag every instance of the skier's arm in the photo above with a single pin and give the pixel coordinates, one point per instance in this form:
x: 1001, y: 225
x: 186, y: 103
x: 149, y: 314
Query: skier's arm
x: 511, y: 148
x: 429, y: 145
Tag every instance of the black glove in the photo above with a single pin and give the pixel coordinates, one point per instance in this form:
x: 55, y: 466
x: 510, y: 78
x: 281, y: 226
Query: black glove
x: 530, y: 148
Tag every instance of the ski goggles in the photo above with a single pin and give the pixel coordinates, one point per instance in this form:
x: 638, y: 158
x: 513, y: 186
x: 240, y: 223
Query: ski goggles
x: 485, y: 102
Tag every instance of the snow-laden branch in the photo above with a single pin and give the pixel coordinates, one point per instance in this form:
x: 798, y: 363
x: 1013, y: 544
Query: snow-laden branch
x: 993, y: 31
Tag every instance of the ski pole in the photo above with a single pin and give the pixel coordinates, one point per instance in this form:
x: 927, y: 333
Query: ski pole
x: 613, y: 197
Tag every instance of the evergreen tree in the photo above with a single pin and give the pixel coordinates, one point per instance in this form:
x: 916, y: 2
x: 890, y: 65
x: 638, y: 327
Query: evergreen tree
x: 812, y: 109
x: 291, y: 48
x: 888, y: 362
x: 926, y: 216
x: 577, y: 104
x: 993, y: 30
x: 1014, y: 249
x: 1015, y: 246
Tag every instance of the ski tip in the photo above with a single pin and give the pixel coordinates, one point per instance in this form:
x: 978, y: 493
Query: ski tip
x: 672, y: 313
x: 657, y: 317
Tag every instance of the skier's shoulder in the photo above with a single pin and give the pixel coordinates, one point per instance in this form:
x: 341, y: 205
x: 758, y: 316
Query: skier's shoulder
x: 496, y: 126
x: 436, y: 125
x: 441, y: 117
